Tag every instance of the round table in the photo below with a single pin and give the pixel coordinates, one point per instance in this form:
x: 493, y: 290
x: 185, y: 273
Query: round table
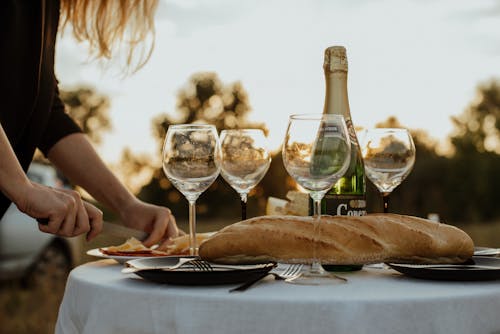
x: 100, y: 299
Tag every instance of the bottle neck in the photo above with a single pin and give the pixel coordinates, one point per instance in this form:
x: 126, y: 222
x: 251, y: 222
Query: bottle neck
x: 336, y: 99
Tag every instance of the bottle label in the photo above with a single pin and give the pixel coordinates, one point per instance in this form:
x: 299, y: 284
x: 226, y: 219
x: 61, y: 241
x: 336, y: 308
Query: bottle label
x: 352, y: 132
x: 330, y: 131
x: 345, y: 205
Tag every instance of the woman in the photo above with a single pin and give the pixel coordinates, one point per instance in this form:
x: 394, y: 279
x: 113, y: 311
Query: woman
x: 32, y: 115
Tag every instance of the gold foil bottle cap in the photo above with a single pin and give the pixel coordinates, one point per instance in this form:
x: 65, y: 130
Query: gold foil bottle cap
x: 335, y: 59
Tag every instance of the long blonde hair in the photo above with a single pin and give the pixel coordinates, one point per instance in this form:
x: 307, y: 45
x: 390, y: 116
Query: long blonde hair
x: 110, y: 25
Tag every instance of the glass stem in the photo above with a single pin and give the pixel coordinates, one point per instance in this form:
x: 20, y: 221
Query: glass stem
x: 316, y: 265
x: 193, y: 247
x: 385, y: 199
x: 243, y: 206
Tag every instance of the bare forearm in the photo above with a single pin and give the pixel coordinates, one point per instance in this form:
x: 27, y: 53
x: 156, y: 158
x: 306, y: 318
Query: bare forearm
x: 12, y: 177
x: 80, y: 163
x: 78, y: 160
x: 67, y: 215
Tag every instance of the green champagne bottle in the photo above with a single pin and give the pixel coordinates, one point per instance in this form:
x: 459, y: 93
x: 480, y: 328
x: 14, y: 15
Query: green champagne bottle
x: 348, y: 196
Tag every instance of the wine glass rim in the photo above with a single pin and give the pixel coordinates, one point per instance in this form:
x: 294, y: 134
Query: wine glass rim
x: 242, y: 130
x: 315, y: 116
x: 388, y: 130
x: 191, y: 126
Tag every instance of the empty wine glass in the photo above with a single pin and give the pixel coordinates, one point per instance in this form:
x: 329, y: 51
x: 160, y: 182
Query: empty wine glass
x: 389, y: 156
x: 316, y: 153
x: 245, y: 160
x: 191, y: 155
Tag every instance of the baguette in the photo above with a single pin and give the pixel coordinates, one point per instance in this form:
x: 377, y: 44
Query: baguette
x: 342, y: 240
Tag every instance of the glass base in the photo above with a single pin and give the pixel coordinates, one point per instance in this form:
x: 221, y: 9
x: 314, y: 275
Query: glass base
x: 378, y: 266
x: 317, y: 276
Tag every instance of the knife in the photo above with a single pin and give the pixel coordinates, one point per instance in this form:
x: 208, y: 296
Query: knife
x: 487, y: 252
x: 117, y: 230
x: 113, y: 229
x: 249, y: 283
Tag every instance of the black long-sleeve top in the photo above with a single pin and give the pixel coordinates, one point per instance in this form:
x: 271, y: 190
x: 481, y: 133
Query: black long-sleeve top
x: 31, y: 112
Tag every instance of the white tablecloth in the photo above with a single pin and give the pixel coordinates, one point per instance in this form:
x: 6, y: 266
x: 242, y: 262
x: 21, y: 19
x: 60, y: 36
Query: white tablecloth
x: 100, y: 299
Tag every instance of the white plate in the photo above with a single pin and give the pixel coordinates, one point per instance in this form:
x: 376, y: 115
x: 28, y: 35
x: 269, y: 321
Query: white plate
x: 120, y: 259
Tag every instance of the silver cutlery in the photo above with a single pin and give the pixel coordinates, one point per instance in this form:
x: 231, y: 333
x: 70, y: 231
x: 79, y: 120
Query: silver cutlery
x: 487, y: 252
x: 292, y: 272
x: 121, y: 231
x: 338, y: 277
x: 200, y: 265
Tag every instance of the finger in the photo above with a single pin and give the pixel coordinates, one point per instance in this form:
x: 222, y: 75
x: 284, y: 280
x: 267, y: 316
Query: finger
x: 172, y: 229
x: 159, y: 228
x: 55, y: 222
x: 164, y: 244
x: 172, y: 232
x: 43, y: 221
x: 82, y: 223
x: 95, y: 220
x: 68, y: 225
x: 51, y: 221
x: 49, y: 225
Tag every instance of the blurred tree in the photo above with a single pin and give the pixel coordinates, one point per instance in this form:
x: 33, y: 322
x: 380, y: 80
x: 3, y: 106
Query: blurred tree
x: 134, y: 170
x: 461, y: 188
x: 205, y: 99
x: 472, y: 177
x: 90, y: 110
x: 477, y: 129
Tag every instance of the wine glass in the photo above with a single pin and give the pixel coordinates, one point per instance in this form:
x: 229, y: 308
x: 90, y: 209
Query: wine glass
x: 244, y: 161
x: 191, y: 161
x: 389, y: 156
x: 316, y: 153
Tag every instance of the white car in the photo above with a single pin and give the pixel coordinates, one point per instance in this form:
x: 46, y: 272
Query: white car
x: 28, y: 253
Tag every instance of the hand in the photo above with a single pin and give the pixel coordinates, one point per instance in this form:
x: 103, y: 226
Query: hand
x: 158, y: 221
x: 67, y: 214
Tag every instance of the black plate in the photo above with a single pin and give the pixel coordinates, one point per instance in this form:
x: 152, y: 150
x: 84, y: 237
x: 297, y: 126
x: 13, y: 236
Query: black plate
x: 481, y: 268
x: 190, y: 276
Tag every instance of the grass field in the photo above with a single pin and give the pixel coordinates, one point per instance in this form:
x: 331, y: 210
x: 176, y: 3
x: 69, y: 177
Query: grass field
x: 29, y: 309
x: 34, y: 309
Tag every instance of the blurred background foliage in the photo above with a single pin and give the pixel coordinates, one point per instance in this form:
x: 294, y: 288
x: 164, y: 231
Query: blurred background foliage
x: 459, y: 182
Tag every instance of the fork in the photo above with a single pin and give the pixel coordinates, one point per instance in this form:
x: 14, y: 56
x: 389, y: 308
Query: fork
x: 294, y: 271
x: 289, y: 274
x: 200, y: 265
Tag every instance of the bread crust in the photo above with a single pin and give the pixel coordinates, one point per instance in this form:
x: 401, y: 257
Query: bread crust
x: 342, y: 240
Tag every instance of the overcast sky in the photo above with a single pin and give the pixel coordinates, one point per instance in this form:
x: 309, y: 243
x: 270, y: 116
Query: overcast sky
x: 419, y: 60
